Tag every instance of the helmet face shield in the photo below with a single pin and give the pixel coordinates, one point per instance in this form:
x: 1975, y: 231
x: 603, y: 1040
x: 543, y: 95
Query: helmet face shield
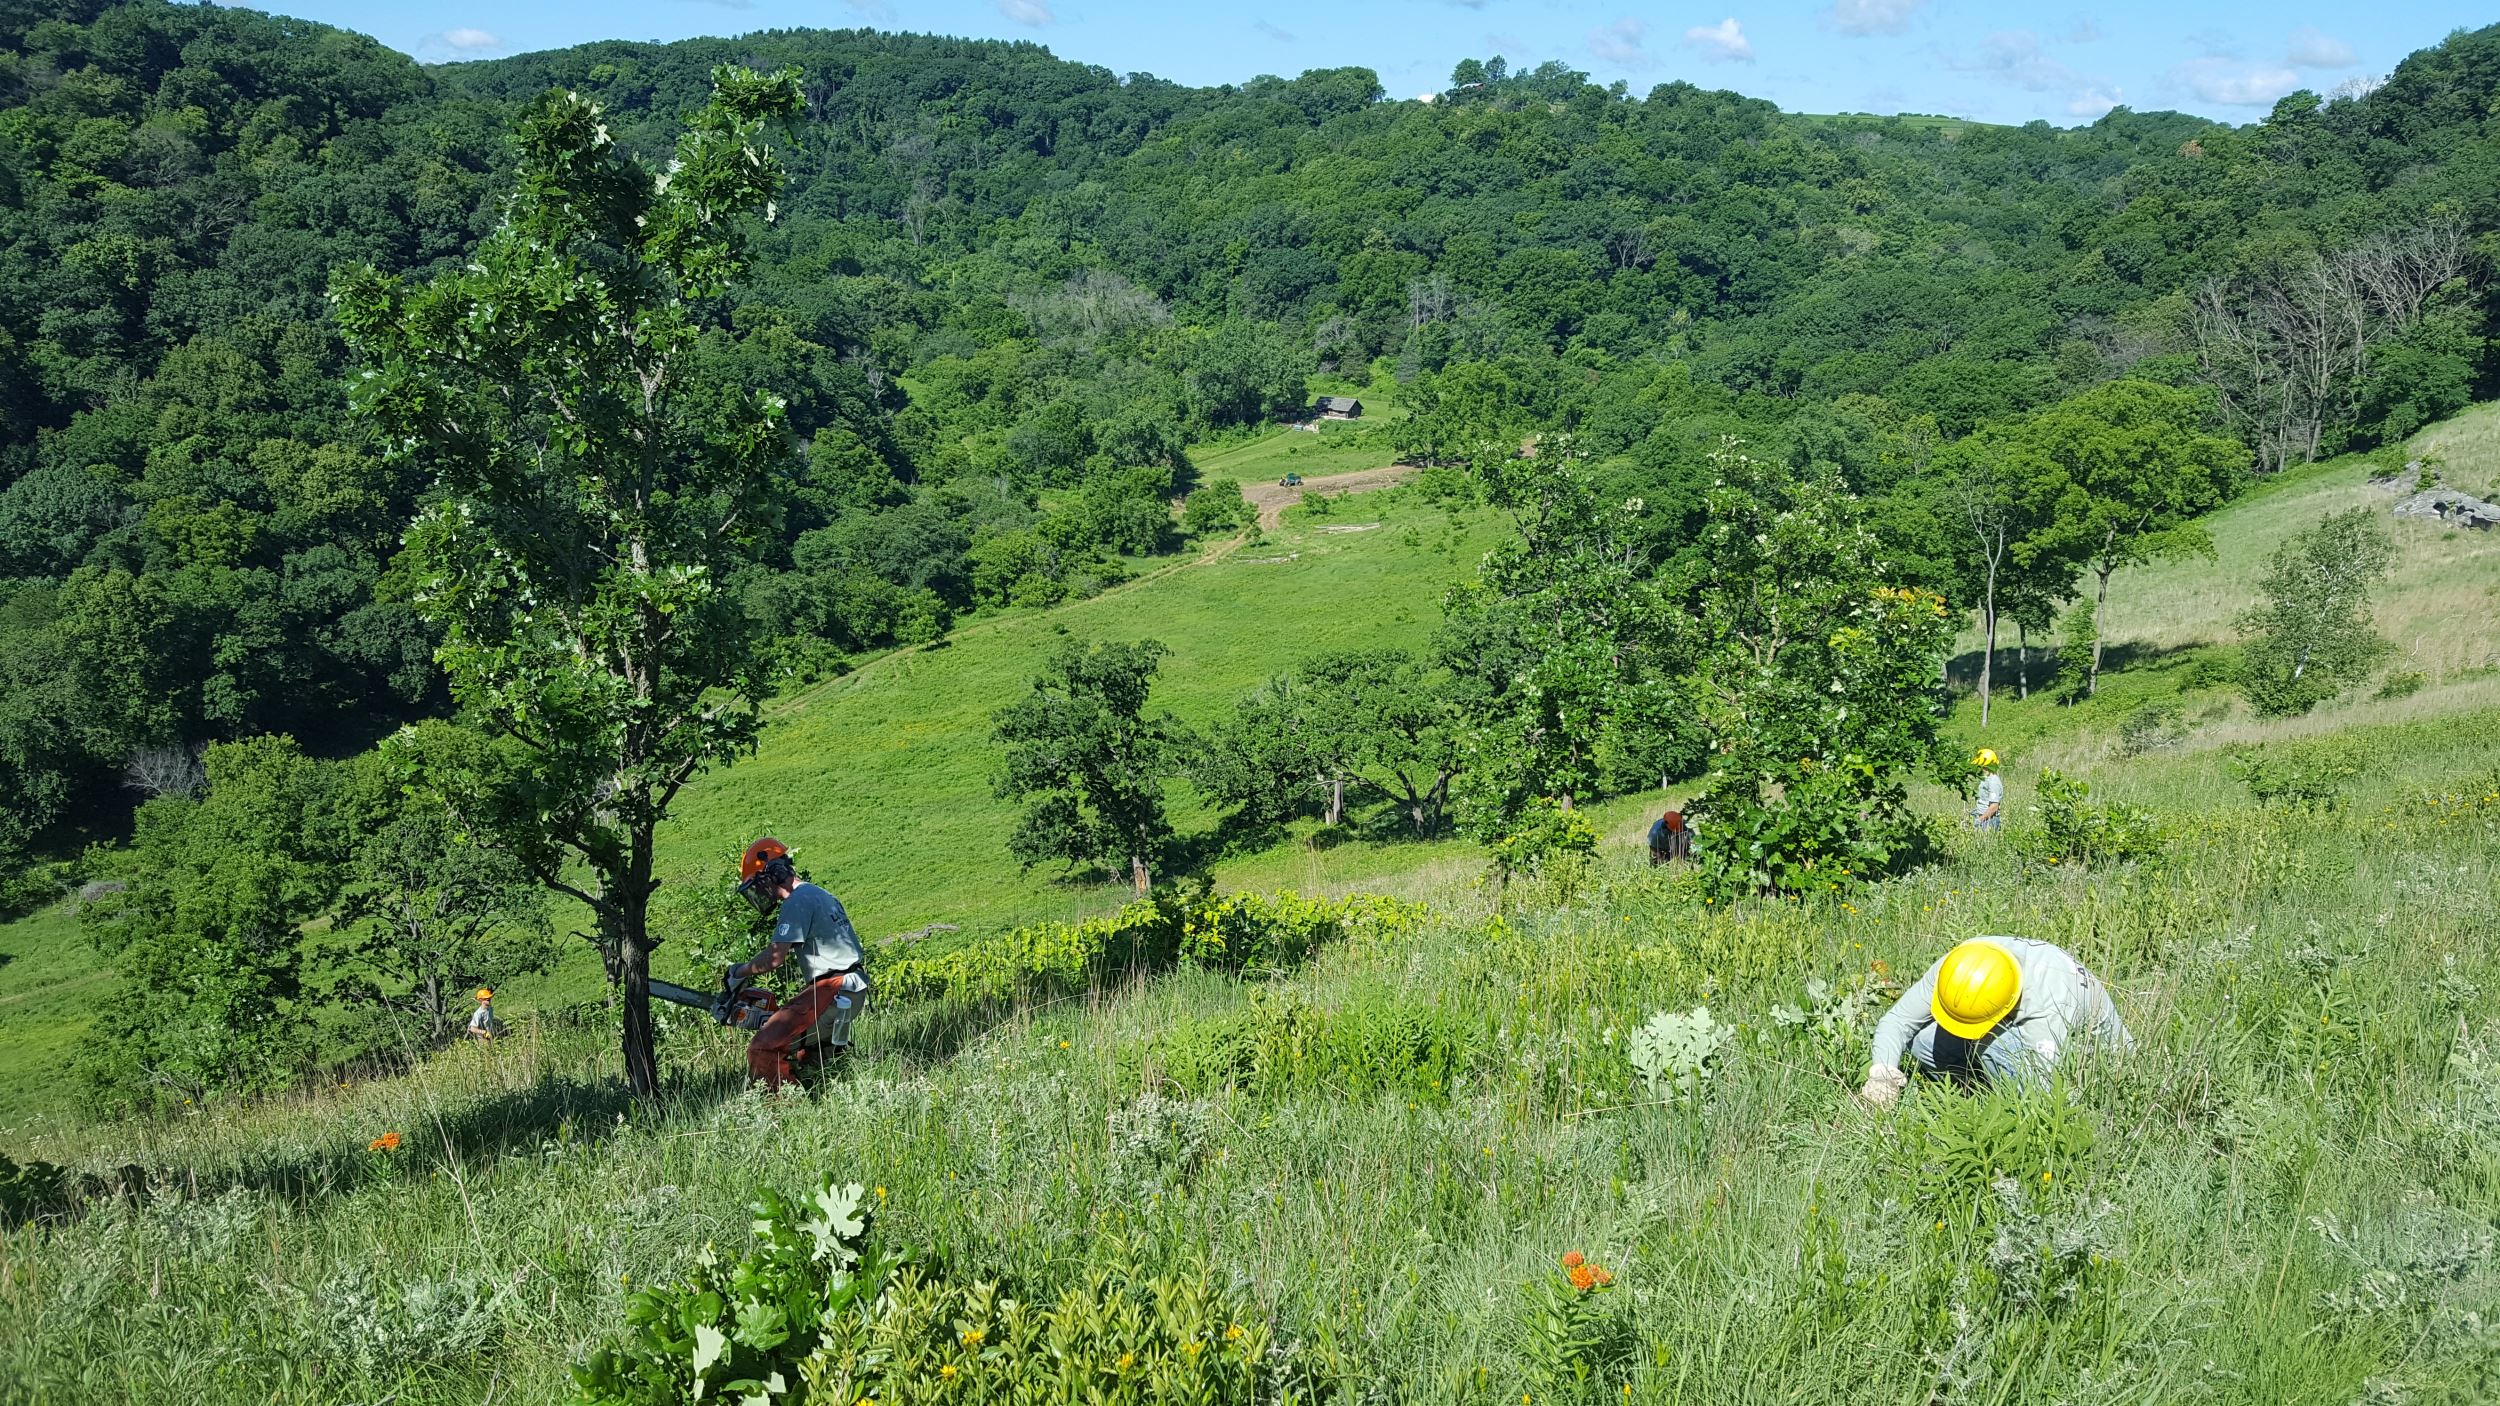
x: 758, y: 894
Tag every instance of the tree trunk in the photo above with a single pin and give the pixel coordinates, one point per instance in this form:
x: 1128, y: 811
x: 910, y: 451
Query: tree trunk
x: 1336, y: 799
x: 1988, y: 656
x: 631, y: 906
x: 2022, y: 660
x: 1137, y: 874
x: 2100, y: 630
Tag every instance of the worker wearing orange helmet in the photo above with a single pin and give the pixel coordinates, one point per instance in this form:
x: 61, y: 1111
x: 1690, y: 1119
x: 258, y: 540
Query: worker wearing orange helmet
x: 1993, y: 1008
x: 483, y: 1027
x: 811, y: 923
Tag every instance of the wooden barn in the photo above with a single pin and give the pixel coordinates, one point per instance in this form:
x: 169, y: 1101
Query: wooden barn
x: 1337, y: 407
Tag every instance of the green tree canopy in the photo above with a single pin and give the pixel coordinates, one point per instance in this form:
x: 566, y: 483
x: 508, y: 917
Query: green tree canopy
x: 594, y: 491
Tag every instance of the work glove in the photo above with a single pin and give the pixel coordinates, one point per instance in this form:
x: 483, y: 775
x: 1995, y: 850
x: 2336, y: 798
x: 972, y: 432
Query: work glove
x: 1883, y: 1085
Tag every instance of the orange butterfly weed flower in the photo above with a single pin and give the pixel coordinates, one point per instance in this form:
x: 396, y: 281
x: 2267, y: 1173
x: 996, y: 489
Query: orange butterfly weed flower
x: 388, y: 1142
x: 1583, y: 1278
x: 1574, y: 1259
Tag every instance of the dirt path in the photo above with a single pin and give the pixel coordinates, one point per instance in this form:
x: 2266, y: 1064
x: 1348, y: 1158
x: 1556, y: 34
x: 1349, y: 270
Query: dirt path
x: 1273, y: 498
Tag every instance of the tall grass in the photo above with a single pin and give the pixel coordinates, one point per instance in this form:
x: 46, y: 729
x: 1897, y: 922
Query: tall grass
x: 2289, y: 1193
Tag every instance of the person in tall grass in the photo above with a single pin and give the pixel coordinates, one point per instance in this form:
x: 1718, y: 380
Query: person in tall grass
x: 1670, y: 838
x: 812, y: 923
x: 483, y: 1027
x: 1993, y: 1009
x: 1987, y: 809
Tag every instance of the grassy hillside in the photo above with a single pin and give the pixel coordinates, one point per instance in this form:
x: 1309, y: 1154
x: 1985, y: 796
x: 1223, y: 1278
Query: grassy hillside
x: 2170, y: 622
x: 881, y: 779
x: 2286, y: 1196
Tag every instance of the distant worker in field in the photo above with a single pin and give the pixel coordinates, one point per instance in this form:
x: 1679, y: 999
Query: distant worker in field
x: 1670, y: 839
x: 1987, y: 809
x: 1993, y: 1008
x: 483, y: 1027
x: 811, y: 922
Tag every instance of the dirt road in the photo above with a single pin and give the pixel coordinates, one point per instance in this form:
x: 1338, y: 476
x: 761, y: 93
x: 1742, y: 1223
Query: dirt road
x: 1273, y: 498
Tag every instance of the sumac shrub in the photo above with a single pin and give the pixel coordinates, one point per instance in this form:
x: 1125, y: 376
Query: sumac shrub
x: 2072, y: 830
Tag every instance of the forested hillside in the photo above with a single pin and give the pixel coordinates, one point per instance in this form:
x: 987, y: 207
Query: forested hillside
x: 1003, y: 295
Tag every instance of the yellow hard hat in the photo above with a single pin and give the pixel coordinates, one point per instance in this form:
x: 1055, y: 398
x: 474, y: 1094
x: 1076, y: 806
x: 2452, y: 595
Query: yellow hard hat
x: 485, y: 995
x: 1987, y: 757
x: 1976, y: 987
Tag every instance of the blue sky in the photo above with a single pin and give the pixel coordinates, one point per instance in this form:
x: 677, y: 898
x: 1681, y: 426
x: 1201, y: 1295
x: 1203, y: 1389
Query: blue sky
x: 2063, y: 62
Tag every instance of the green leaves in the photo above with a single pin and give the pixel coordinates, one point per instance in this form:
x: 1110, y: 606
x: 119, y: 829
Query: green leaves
x: 1080, y: 749
x: 2314, y: 636
x: 1816, y: 684
x: 2072, y: 830
x: 596, y: 483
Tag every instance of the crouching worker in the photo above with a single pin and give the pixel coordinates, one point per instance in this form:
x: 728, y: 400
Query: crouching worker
x: 809, y: 921
x: 1993, y: 1008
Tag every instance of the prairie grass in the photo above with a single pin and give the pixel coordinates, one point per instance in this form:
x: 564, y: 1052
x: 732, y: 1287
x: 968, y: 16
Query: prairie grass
x: 2287, y: 1195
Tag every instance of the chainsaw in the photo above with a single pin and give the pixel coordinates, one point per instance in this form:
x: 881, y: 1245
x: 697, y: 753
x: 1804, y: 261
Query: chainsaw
x: 735, y: 1003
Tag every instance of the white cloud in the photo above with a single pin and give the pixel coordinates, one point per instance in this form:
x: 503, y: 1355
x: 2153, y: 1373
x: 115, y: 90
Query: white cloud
x: 2094, y: 102
x: 2013, y: 56
x: 470, y: 41
x: 1863, y: 17
x: 1724, y: 41
x: 2084, y: 32
x: 2313, y: 49
x: 1281, y: 36
x: 1033, y: 12
x: 2232, y: 84
x: 1620, y: 44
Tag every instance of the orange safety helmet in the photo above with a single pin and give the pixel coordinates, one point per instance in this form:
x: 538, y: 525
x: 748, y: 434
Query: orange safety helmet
x: 765, y: 860
x: 759, y: 857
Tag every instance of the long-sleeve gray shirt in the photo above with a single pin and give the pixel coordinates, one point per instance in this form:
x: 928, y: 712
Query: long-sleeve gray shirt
x: 2060, y: 1004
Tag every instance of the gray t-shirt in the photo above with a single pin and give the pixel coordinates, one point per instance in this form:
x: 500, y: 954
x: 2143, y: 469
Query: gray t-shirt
x: 812, y: 921
x: 2061, y: 1005
x: 1991, y: 793
x: 483, y: 1018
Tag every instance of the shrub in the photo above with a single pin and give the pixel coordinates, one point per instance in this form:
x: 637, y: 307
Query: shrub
x: 1216, y: 508
x: 740, y: 1330
x: 2404, y: 683
x: 2312, y: 775
x: 2077, y: 635
x: 813, y: 1312
x: 1544, y: 831
x: 2150, y: 728
x: 1831, y: 829
x: 2314, y: 633
x: 1233, y: 933
x: 2072, y: 830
